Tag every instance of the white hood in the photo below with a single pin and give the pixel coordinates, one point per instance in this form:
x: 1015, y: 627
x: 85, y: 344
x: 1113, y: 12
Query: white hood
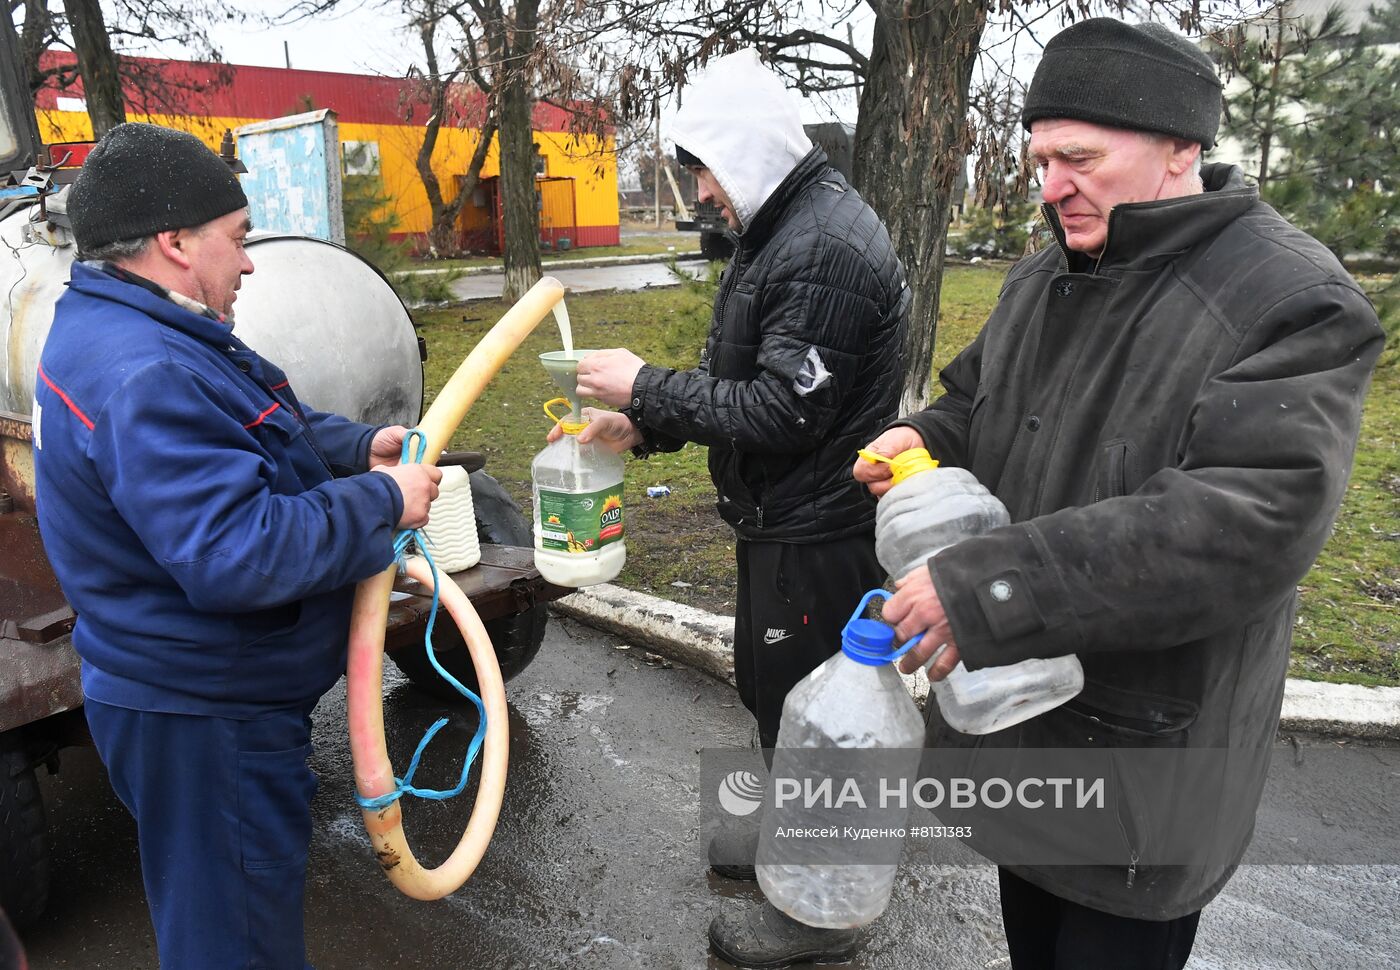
x: 738, y: 118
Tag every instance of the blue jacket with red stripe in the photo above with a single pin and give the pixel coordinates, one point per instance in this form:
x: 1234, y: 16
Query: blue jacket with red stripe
x: 206, y: 528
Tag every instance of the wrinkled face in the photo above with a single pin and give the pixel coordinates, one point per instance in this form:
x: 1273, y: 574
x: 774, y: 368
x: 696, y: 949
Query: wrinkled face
x: 710, y: 191
x: 1087, y: 169
x: 218, y: 261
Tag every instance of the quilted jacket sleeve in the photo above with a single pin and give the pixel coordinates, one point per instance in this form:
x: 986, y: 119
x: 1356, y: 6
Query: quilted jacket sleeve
x: 817, y: 312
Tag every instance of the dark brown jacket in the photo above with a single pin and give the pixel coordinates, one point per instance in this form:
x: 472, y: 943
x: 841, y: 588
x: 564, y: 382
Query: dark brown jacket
x: 1172, y: 429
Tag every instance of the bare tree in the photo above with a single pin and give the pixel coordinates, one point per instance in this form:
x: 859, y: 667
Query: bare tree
x: 517, y: 53
x: 915, y: 125
x: 510, y: 37
x: 102, y: 46
x: 97, y: 64
x: 910, y: 148
x: 912, y: 135
x: 446, y: 94
x: 526, y: 52
x: 496, y: 45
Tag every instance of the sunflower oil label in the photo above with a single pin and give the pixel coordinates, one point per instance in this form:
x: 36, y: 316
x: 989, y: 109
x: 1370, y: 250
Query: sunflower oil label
x: 580, y: 521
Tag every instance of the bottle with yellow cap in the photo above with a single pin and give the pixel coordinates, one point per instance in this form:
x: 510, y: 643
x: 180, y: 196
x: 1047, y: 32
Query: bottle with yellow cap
x: 578, y: 508
x: 928, y: 509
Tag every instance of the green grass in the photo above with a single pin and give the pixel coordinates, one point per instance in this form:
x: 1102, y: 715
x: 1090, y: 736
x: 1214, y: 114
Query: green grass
x: 641, y: 244
x: 1348, y: 627
x: 679, y: 538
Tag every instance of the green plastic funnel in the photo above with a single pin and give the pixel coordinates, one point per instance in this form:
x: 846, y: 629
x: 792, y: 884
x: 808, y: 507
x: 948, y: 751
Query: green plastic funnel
x: 563, y: 368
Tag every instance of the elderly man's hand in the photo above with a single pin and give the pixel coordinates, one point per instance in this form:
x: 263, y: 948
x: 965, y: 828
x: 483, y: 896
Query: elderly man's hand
x: 610, y: 429
x: 916, y: 609
x: 876, y: 474
x: 387, y: 446
x: 608, y: 376
x: 418, y: 484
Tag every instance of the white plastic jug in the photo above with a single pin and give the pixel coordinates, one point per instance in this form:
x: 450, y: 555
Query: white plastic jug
x: 928, y: 509
x: 578, y: 509
x: 856, y: 700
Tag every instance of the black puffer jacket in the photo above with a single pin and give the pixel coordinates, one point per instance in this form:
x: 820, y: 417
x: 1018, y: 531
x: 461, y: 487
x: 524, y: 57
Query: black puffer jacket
x: 1171, y: 427
x: 802, y: 366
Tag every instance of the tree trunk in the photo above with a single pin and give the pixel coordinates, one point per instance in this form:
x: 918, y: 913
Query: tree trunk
x: 442, y: 233
x: 470, y: 180
x: 519, y: 198
x: 1266, y: 139
x: 97, y: 64
x: 37, y: 22
x: 911, y: 141
x: 440, y: 241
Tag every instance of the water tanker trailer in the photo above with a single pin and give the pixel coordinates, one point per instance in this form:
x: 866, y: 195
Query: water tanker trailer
x: 347, y: 343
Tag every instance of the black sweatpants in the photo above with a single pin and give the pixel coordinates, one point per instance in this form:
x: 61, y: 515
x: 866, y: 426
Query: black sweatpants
x: 793, y: 601
x: 1045, y: 932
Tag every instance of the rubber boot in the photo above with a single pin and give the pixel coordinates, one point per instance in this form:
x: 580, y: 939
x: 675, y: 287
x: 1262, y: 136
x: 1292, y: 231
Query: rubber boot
x: 762, y: 937
x: 732, y: 852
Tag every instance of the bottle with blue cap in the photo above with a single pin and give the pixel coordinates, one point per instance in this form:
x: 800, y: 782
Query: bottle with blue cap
x: 832, y: 719
x: 928, y: 509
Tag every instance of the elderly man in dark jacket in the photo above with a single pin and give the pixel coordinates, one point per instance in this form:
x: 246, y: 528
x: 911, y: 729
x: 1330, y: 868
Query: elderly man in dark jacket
x: 802, y: 366
x: 1168, y: 402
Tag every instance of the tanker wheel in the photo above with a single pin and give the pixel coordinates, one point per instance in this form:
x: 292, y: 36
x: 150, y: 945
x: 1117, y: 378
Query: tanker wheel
x: 516, y: 638
x: 24, y: 837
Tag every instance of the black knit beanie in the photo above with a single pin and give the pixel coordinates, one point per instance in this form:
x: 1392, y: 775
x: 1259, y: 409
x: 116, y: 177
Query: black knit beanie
x: 145, y: 179
x: 685, y: 159
x: 1138, y: 76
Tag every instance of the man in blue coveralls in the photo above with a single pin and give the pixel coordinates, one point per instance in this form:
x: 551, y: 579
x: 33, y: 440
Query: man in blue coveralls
x: 208, y: 529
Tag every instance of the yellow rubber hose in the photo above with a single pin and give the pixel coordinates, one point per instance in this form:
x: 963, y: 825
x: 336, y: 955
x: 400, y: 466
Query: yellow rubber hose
x: 374, y: 775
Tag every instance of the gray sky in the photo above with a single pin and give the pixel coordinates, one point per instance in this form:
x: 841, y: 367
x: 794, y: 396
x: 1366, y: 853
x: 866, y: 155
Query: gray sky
x: 362, y: 38
x: 367, y: 37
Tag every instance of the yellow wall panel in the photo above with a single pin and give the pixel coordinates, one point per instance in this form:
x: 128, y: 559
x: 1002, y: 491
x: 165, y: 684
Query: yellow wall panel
x: 589, y: 160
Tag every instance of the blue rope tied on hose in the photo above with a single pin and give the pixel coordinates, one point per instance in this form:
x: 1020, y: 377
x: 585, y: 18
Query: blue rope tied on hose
x: 415, y: 444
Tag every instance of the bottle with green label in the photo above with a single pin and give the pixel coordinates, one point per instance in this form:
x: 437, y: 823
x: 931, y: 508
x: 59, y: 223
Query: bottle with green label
x: 578, y: 508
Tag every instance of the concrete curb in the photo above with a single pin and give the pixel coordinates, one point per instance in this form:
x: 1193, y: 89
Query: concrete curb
x: 1346, y: 709
x: 705, y: 642
x: 548, y: 264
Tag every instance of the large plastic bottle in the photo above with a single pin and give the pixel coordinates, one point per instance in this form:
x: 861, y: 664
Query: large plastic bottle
x: 578, y: 509
x: 856, y: 700
x: 928, y: 509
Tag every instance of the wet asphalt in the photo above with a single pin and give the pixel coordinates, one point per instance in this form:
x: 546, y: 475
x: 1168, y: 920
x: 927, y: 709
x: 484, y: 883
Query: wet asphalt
x: 598, y: 860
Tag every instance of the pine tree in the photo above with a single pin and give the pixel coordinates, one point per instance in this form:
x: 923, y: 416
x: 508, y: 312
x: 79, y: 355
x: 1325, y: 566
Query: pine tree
x: 1321, y: 112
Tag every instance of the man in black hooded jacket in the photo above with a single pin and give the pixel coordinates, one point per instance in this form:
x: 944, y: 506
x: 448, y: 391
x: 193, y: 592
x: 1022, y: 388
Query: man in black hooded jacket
x: 802, y: 366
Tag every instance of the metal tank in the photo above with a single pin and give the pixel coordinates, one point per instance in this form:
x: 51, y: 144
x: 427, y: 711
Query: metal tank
x: 322, y: 314
x: 335, y: 325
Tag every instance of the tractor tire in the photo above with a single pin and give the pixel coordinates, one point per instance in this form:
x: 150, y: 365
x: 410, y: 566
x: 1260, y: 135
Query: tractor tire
x: 24, y: 837
x: 715, y: 245
x: 516, y: 638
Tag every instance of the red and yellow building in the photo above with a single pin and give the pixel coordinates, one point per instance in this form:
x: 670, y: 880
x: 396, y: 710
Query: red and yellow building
x: 381, y: 122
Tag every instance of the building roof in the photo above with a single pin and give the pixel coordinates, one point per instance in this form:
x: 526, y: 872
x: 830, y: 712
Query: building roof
x: 203, y: 89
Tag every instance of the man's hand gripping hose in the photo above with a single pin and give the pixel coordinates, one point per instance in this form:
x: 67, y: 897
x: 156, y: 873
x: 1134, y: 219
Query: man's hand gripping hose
x: 377, y: 787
